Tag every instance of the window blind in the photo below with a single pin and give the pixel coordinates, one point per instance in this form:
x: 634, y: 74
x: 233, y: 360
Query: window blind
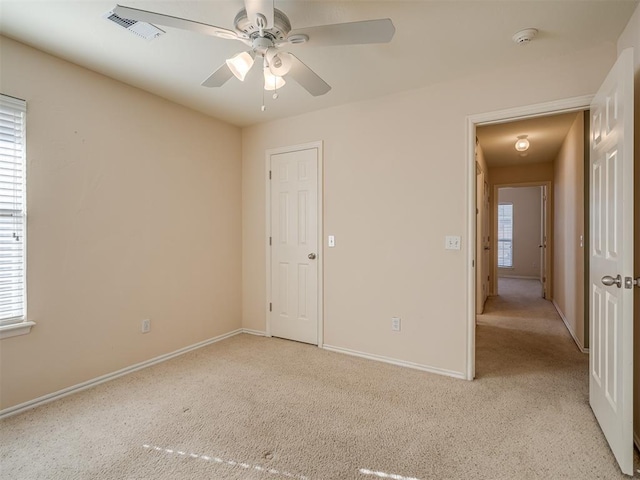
x: 12, y: 209
x: 505, y: 235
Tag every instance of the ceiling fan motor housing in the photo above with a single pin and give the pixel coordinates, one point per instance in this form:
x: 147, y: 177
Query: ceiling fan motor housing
x: 278, y: 33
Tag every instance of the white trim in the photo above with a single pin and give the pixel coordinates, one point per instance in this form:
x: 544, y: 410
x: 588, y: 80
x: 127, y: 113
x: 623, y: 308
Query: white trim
x: 393, y: 361
x: 521, y: 277
x: 471, y: 260
x: 15, y: 329
x: 7, y: 412
x: 500, y: 116
x: 566, y: 324
x: 258, y: 333
x: 320, y: 179
x: 555, y: 107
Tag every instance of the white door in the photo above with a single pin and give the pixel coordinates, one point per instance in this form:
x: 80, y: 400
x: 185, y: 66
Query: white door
x: 294, y: 245
x: 610, y: 301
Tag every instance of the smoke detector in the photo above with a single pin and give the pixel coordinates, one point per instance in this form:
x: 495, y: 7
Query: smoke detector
x: 525, y: 36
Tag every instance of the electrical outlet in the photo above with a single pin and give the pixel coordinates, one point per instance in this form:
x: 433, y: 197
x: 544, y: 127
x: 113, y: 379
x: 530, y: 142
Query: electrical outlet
x: 146, y: 325
x: 395, y: 324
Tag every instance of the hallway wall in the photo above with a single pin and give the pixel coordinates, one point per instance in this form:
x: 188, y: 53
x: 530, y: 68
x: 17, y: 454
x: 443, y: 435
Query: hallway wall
x: 568, y: 232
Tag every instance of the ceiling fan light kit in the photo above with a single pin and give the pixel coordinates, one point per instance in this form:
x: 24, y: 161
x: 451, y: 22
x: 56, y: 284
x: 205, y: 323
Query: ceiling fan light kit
x: 240, y: 64
x: 271, y: 81
x: 266, y: 30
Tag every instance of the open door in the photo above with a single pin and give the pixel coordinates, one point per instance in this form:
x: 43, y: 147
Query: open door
x: 611, y: 257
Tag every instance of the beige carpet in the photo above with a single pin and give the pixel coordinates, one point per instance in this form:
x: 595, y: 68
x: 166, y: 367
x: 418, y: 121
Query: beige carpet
x: 259, y: 408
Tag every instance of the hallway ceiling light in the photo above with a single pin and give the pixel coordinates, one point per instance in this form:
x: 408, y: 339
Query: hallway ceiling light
x: 522, y: 145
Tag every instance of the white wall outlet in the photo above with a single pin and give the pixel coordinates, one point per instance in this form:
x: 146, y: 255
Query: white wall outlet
x: 395, y: 324
x: 331, y: 240
x: 146, y: 325
x: 452, y: 242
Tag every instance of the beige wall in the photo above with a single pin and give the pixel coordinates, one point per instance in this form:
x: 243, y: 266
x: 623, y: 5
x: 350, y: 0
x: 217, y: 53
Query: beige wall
x: 529, y: 173
x: 134, y: 211
x: 568, y: 228
x: 394, y: 186
x: 527, y: 228
x: 631, y: 38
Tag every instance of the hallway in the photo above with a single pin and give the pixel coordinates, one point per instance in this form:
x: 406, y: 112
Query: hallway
x: 522, y: 343
x: 521, y: 333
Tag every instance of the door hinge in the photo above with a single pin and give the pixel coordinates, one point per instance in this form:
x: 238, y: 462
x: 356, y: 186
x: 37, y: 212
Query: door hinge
x: 473, y: 263
x: 269, y: 241
x: 270, y: 306
x: 269, y: 174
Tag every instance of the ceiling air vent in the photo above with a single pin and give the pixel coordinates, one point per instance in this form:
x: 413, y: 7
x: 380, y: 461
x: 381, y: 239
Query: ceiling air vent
x: 142, y: 29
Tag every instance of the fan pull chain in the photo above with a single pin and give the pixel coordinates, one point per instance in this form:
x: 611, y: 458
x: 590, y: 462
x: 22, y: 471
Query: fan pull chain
x: 264, y: 65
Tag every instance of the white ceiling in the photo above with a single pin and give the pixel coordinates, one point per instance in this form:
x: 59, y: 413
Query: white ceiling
x: 545, y: 135
x: 435, y: 41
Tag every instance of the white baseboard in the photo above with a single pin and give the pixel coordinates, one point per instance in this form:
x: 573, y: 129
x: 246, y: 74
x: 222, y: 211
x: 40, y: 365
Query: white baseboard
x: 393, y: 361
x: 258, y: 333
x: 110, y: 376
x: 566, y: 324
x: 524, y: 277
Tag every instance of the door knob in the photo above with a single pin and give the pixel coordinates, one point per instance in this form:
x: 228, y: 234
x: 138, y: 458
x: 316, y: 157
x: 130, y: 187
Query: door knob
x: 312, y: 256
x: 609, y: 280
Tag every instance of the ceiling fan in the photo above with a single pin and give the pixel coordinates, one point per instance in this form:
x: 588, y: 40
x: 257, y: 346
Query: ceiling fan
x: 266, y: 31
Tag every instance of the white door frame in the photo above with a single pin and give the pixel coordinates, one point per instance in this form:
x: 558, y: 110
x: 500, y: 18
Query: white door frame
x: 574, y: 104
x: 275, y: 151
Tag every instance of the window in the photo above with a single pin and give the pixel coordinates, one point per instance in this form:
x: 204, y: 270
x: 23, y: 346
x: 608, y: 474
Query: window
x: 12, y: 216
x: 505, y: 235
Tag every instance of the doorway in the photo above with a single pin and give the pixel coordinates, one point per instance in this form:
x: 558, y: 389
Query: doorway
x: 523, y: 228
x: 476, y: 163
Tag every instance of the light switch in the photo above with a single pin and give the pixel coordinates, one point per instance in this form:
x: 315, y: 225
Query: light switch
x: 452, y: 242
x: 331, y: 241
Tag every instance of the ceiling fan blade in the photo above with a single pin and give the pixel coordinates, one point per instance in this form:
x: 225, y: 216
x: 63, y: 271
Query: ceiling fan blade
x: 353, y: 33
x: 176, y: 22
x: 259, y: 7
x: 307, y: 78
x: 219, y: 77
